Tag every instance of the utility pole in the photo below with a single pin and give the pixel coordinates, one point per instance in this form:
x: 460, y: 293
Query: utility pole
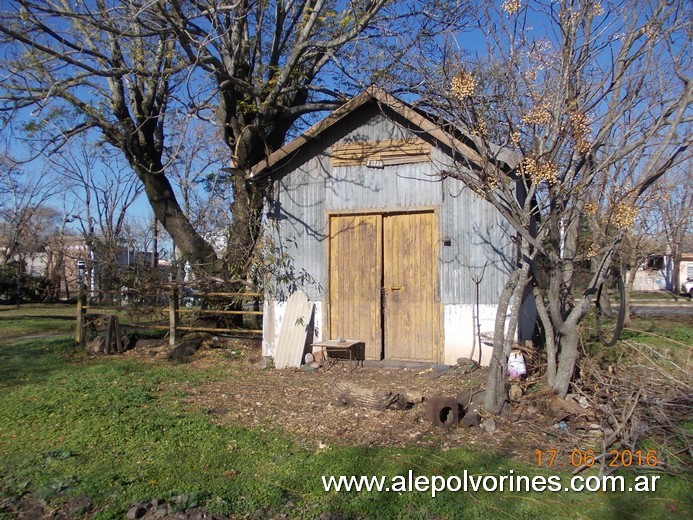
x: 155, y: 245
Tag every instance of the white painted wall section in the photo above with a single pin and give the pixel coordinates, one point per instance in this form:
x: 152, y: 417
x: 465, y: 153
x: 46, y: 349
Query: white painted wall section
x: 460, y: 332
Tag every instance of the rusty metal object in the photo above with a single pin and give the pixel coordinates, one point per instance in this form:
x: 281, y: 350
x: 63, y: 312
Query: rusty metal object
x: 471, y: 400
x: 443, y: 411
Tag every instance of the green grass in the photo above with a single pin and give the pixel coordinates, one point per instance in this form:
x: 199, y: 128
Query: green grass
x: 36, y: 320
x: 671, y: 333
x: 656, y: 295
x: 118, y: 431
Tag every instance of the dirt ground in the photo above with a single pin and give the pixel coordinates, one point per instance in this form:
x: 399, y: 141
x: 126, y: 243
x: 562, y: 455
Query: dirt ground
x: 302, y: 403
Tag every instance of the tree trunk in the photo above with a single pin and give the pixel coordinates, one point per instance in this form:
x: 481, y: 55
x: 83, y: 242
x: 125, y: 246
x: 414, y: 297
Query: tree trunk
x: 246, y: 213
x: 569, y: 340
x: 249, y: 146
x: 630, y: 282
x: 676, y: 271
x: 495, y: 386
x: 566, y: 362
x: 549, y: 334
x: 167, y: 211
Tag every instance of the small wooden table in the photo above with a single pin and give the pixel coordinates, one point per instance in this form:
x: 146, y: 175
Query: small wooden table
x: 352, y: 349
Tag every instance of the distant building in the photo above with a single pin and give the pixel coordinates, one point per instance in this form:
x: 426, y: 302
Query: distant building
x: 686, y: 269
x: 62, y: 259
x: 657, y: 273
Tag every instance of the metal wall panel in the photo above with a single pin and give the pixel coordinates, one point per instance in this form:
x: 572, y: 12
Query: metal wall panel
x: 478, y: 235
x: 403, y: 185
x: 371, y: 126
x: 296, y: 219
x: 480, y: 247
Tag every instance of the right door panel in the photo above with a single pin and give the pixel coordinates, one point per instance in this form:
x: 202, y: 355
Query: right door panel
x: 410, y: 319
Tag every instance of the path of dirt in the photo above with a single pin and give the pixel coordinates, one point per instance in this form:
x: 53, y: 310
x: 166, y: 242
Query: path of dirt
x: 303, y: 404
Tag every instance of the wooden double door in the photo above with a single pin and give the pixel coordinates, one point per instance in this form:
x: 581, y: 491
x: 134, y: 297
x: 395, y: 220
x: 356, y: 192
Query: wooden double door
x: 382, y: 282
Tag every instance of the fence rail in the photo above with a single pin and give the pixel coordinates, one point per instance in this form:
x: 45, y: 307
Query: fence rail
x: 84, y: 319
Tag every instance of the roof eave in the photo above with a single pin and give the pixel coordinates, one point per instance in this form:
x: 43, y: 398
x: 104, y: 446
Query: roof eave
x: 264, y: 166
x: 435, y: 130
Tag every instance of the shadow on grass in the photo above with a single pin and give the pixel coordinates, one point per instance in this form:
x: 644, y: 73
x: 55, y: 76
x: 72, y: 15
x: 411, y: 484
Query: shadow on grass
x: 33, y: 361
x: 26, y: 317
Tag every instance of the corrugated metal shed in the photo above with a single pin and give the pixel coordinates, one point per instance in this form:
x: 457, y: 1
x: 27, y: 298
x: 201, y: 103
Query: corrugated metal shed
x: 479, y: 237
x: 470, y: 240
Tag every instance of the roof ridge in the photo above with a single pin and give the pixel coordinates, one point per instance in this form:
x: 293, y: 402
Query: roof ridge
x: 415, y: 116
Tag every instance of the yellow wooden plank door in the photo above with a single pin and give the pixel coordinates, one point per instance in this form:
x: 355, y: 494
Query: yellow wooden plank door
x: 410, y: 318
x: 355, y: 278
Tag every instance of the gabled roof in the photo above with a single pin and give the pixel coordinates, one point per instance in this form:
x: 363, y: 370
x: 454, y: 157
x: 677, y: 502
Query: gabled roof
x: 461, y: 142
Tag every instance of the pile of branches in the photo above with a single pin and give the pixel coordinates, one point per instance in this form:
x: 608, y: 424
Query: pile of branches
x: 644, y: 400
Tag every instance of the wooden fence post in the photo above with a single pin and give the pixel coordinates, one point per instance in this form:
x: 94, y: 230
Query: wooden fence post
x: 81, y: 310
x: 173, y: 316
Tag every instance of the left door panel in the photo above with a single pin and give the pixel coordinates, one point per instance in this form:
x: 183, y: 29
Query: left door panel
x: 355, y: 280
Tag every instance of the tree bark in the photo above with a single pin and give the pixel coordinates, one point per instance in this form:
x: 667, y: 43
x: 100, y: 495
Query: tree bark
x: 162, y: 199
x: 549, y: 337
x: 630, y: 282
x: 251, y: 139
x: 495, y: 385
x: 246, y: 213
x: 567, y: 358
x: 676, y: 270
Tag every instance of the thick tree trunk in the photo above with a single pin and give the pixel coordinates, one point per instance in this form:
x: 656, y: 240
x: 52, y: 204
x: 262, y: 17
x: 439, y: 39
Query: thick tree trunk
x: 166, y: 209
x: 246, y: 213
x: 251, y: 140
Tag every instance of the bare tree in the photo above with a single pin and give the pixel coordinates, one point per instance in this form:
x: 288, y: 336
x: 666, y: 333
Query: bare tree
x: 205, y: 194
x: 673, y: 210
x: 268, y: 64
x: 102, y: 66
x: 102, y: 186
x: 26, y: 218
x: 27, y: 223
x: 593, y: 88
x: 253, y: 68
x: 648, y: 237
x: 639, y: 245
x: 102, y: 190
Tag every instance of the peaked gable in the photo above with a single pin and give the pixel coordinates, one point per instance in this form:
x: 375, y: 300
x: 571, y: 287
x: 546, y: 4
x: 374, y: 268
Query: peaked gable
x: 459, y: 142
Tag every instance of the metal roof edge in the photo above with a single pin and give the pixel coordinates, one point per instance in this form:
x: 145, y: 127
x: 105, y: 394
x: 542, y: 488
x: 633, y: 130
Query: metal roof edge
x: 268, y: 162
x: 401, y: 108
